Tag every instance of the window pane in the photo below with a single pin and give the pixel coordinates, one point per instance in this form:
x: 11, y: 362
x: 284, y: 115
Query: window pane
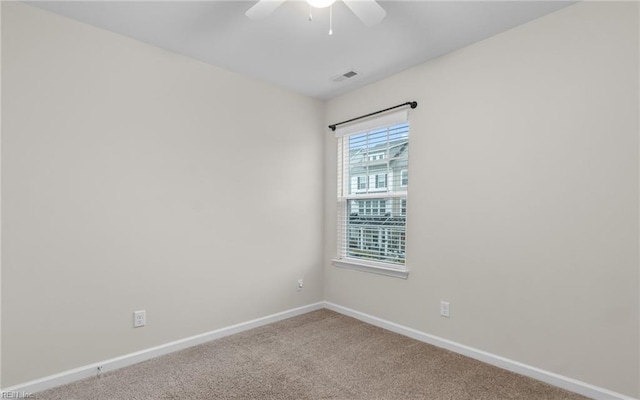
x: 381, y: 181
x: 376, y: 164
x: 376, y: 159
x: 376, y: 229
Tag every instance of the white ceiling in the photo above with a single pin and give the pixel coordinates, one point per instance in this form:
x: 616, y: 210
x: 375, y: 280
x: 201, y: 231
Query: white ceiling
x: 288, y: 50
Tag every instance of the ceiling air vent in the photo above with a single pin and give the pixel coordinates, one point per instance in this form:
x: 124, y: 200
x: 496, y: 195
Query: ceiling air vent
x: 344, y: 76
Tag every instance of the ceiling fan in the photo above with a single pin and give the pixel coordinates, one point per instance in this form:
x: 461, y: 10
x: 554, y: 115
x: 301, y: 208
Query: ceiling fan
x: 368, y: 11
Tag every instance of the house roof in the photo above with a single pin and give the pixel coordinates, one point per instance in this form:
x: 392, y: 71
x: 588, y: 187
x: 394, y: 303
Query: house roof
x: 397, y: 150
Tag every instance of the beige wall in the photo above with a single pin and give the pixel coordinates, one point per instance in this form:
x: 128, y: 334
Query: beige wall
x: 134, y: 178
x: 523, y: 197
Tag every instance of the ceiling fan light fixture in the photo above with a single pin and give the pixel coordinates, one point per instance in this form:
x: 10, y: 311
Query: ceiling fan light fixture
x: 368, y: 11
x: 320, y: 3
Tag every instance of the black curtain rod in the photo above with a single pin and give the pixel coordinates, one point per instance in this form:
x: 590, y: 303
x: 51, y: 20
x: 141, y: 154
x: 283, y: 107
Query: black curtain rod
x: 413, y: 104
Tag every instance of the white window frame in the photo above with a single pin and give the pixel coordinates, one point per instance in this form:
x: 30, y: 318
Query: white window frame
x: 384, y: 181
x: 404, y: 177
x: 363, y: 179
x: 347, y: 231
x: 366, y: 207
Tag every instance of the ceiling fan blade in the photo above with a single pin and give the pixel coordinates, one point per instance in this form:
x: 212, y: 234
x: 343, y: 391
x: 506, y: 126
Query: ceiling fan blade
x: 369, y: 12
x: 263, y: 8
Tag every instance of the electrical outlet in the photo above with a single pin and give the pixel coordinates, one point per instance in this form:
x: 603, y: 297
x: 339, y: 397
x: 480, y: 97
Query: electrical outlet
x: 300, y: 284
x: 139, y: 318
x: 444, y: 308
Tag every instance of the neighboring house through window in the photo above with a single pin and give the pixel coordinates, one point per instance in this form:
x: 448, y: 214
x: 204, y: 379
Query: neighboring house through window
x: 372, y: 192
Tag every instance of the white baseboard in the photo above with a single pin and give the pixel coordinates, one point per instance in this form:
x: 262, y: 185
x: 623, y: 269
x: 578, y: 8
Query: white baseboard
x: 87, y: 371
x: 572, y: 385
x: 90, y: 370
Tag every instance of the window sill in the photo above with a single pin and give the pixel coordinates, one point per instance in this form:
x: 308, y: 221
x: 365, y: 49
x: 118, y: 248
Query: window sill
x: 371, y: 267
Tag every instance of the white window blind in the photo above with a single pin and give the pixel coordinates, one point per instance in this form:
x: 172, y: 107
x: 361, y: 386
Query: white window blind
x: 372, y: 192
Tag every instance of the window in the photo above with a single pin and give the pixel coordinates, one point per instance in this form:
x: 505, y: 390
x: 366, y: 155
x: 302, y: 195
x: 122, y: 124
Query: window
x: 381, y: 181
x: 367, y: 207
x: 362, y: 182
x: 371, y: 207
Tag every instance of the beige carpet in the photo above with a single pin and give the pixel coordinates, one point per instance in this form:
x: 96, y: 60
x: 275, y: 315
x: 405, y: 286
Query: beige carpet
x: 319, y: 355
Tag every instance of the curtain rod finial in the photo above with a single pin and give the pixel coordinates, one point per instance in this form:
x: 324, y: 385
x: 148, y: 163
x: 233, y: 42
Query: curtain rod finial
x: 414, y: 104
